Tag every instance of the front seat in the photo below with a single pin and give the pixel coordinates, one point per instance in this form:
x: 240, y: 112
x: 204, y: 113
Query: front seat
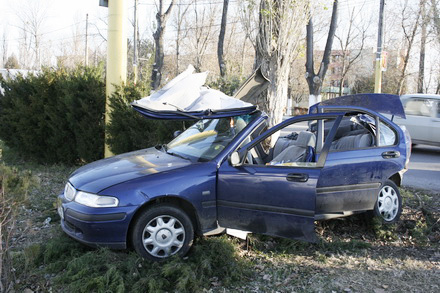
x: 299, y: 150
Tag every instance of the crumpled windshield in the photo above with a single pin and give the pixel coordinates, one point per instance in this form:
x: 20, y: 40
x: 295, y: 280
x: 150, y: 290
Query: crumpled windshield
x: 207, y: 138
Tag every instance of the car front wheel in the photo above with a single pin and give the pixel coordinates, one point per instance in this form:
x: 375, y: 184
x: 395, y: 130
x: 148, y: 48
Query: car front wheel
x: 389, y: 203
x: 162, y: 231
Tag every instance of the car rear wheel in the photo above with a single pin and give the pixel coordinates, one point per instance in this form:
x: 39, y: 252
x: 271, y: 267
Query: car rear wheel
x: 162, y: 231
x: 389, y: 203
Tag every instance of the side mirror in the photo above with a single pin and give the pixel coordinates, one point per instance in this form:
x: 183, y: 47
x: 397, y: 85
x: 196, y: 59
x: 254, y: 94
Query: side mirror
x: 234, y: 159
x: 177, y: 133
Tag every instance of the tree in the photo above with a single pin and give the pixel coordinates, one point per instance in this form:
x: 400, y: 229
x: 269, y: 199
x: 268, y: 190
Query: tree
x: 422, y: 48
x: 202, y: 31
x: 181, y: 32
x: 409, y: 31
x: 4, y: 48
x: 12, y: 62
x: 436, y: 18
x: 279, y: 36
x: 315, y: 80
x: 32, y: 17
x: 436, y: 24
x: 356, y: 35
x: 221, y: 39
x: 162, y: 18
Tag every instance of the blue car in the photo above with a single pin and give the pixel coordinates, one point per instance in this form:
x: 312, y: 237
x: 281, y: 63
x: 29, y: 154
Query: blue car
x: 229, y: 171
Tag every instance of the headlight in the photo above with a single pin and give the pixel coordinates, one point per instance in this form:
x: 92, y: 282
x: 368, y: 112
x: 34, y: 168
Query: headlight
x: 69, y: 192
x: 96, y: 201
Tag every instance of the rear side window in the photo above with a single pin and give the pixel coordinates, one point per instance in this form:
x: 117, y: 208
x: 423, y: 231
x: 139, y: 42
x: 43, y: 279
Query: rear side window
x: 387, y: 135
x: 359, y: 131
x: 354, y: 132
x: 419, y: 107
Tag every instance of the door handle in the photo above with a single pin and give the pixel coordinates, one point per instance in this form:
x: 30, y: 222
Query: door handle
x: 297, y: 177
x: 390, y: 154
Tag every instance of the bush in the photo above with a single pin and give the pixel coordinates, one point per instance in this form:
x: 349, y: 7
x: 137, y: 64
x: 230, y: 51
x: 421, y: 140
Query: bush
x: 54, y: 116
x: 58, y: 117
x: 129, y: 130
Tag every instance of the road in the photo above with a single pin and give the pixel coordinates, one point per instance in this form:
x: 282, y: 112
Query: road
x: 424, y: 168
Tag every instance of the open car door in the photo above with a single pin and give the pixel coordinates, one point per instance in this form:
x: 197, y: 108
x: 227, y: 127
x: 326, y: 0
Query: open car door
x: 271, y: 193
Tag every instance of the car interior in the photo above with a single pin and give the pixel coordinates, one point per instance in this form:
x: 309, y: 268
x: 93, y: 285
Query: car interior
x: 299, y: 147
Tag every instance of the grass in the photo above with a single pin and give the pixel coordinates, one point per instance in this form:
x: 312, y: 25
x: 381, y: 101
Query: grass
x: 353, y: 254
x: 72, y: 267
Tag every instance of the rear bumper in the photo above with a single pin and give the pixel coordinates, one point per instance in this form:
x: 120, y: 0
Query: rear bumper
x: 106, y: 227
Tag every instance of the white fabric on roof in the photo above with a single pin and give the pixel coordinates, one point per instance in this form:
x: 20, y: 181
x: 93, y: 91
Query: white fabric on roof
x: 186, y: 93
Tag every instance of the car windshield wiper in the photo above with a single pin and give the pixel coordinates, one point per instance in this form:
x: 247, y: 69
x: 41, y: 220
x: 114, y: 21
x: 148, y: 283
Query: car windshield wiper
x: 176, y: 155
x: 161, y: 147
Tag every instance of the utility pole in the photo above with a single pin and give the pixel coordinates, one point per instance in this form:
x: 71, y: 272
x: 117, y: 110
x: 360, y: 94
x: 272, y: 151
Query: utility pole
x: 116, y: 54
x: 86, y: 54
x: 378, y: 72
x: 135, y: 41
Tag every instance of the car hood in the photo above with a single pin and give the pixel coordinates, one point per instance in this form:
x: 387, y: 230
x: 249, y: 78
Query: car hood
x: 185, y: 97
x: 102, y: 174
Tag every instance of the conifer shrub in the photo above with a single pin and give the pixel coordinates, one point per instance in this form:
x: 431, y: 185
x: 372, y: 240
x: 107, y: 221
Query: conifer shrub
x: 54, y: 116
x: 129, y: 130
x: 228, y: 84
x: 58, y: 116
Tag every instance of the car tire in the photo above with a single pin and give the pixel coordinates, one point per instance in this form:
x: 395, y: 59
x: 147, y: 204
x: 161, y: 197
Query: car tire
x: 388, y: 206
x: 162, y: 231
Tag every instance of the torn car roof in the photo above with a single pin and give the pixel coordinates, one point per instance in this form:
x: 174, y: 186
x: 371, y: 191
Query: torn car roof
x: 186, y: 97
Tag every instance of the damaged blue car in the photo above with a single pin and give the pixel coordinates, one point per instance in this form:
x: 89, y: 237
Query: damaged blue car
x: 229, y: 171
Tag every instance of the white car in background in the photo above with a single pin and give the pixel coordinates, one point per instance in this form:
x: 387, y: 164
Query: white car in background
x: 422, y: 118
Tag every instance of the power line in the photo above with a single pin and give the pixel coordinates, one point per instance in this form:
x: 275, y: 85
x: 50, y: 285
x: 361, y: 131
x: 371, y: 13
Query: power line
x: 194, y: 3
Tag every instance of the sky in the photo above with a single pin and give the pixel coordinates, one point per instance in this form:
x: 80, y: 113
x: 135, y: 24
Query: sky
x: 65, y: 18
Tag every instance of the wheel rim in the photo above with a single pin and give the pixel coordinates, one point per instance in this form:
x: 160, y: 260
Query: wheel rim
x: 163, y: 236
x: 388, y: 203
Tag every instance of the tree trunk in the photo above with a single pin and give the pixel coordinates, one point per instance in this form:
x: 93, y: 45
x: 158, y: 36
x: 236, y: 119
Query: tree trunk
x: 436, y: 19
x: 221, y: 39
x: 156, y: 74
x: 422, y: 49
x: 315, y: 80
x: 278, y: 38
x: 410, y: 39
x: 179, y: 23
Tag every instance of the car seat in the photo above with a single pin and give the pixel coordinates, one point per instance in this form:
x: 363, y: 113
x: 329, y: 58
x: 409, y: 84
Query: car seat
x: 299, y: 150
x: 351, y: 142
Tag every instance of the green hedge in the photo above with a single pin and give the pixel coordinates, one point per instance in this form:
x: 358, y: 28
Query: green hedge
x: 57, y: 116
x: 54, y: 116
x: 129, y: 130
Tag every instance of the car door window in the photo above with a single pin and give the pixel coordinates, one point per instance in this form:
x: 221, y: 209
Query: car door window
x: 295, y: 145
x: 387, y: 135
x: 358, y: 131
x: 419, y: 107
x: 438, y: 109
x: 354, y: 132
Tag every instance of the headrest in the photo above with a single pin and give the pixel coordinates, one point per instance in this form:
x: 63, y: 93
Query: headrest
x: 305, y: 139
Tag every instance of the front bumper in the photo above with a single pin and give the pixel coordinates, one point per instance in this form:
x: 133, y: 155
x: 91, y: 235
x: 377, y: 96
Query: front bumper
x: 107, y: 227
